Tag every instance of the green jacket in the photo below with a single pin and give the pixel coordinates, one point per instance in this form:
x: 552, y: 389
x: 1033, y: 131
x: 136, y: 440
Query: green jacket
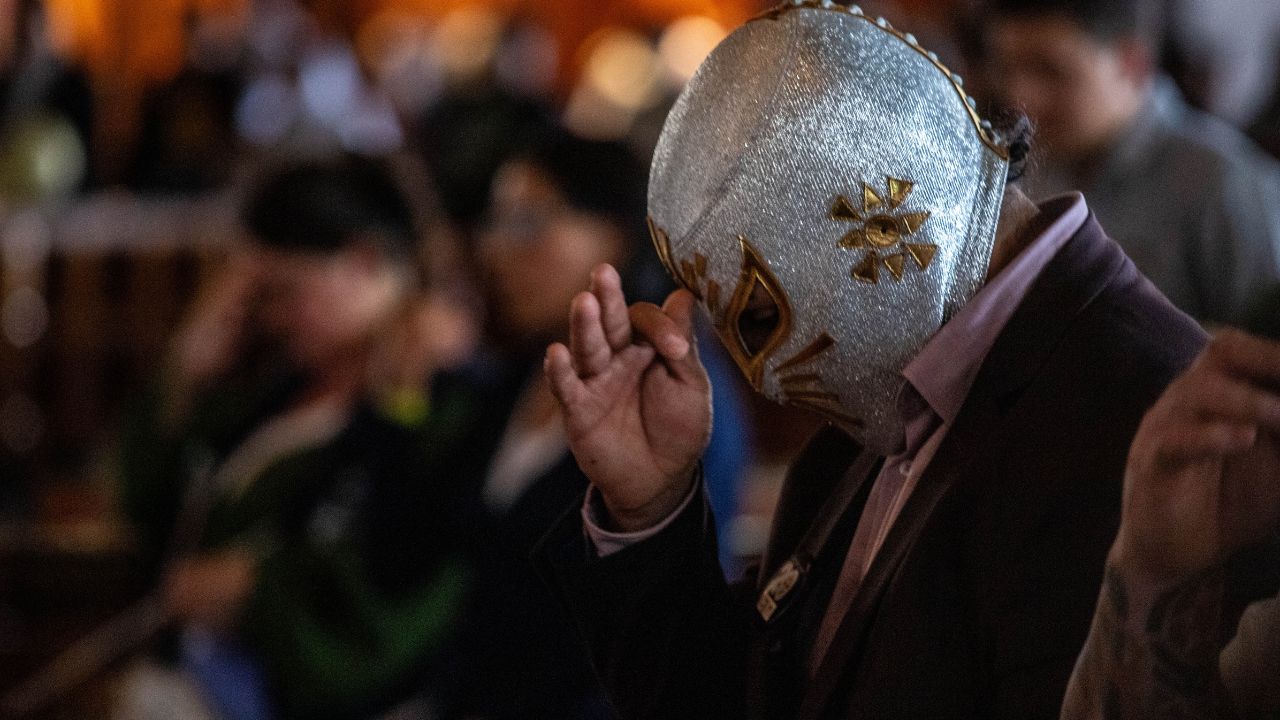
x: 360, y: 541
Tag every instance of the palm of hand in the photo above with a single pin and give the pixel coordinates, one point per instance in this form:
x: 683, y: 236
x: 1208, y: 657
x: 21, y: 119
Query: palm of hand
x: 1203, y: 479
x: 636, y: 399
x: 637, y: 424
x: 1205, y: 511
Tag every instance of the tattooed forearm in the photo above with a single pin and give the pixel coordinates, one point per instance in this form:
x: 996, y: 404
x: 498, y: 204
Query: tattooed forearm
x: 1093, y: 691
x: 1182, y: 632
x: 1161, y: 663
x: 1181, y: 640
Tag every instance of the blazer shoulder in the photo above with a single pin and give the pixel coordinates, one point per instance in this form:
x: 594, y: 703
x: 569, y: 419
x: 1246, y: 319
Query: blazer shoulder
x: 1122, y: 318
x: 1137, y: 325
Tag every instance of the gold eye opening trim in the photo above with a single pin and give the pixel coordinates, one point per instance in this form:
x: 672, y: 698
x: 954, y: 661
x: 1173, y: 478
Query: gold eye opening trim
x: 754, y: 272
x: 691, y: 276
x: 662, y: 245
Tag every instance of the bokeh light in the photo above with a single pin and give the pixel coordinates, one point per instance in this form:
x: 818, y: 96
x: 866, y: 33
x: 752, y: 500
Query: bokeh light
x: 686, y: 43
x: 24, y: 317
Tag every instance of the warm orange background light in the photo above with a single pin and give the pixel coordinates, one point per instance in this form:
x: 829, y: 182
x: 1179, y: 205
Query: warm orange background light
x: 131, y: 46
x: 131, y: 41
x: 140, y: 42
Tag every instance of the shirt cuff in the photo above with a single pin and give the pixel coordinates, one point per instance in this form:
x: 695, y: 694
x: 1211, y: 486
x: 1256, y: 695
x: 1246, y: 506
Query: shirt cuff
x: 607, y: 542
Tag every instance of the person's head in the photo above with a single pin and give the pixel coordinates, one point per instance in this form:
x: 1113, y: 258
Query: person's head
x: 335, y: 247
x: 1080, y: 68
x: 558, y: 207
x: 826, y: 187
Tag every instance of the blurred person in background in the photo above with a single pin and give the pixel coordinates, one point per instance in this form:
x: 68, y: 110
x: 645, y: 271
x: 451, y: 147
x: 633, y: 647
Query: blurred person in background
x: 1188, y: 197
x: 1202, y: 485
x: 1227, y: 63
x: 493, y: 94
x: 1266, y: 129
x: 310, y: 560
x: 559, y: 206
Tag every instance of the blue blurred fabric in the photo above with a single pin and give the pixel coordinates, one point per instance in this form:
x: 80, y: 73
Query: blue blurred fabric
x: 729, y: 455
x: 230, y: 678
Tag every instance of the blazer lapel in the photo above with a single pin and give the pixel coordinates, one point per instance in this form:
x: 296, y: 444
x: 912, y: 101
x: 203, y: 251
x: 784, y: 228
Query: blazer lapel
x: 957, y: 451
x: 825, y: 468
x: 818, y: 473
x: 1076, y: 276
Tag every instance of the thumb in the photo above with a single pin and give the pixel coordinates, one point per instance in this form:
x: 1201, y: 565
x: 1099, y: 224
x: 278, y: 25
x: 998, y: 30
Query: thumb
x: 680, y: 306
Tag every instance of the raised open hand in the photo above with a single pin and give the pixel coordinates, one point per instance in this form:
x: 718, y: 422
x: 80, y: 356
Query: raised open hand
x: 1203, y: 477
x: 635, y: 398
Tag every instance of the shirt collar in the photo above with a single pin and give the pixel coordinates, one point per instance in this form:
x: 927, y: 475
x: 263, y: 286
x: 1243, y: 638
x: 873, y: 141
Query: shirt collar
x: 945, y: 368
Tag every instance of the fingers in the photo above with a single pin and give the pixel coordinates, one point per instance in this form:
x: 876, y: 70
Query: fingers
x: 599, y: 324
x: 1216, y: 410
x: 1187, y: 442
x: 1245, y: 355
x: 670, y: 330
x: 1231, y: 381
x: 680, y: 307
x: 602, y: 330
x: 558, y: 366
x: 589, y: 348
x: 664, y: 332
x: 606, y: 285
x: 1210, y: 392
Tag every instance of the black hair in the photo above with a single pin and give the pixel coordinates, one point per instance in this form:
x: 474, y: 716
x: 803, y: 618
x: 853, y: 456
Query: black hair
x: 596, y: 176
x: 322, y: 207
x: 1016, y: 132
x: 1104, y: 20
x: 608, y: 179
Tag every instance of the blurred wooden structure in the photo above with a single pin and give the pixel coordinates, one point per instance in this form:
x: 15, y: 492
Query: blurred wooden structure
x: 56, y: 584
x: 114, y: 274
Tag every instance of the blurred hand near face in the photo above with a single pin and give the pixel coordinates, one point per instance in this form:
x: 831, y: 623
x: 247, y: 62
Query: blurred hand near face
x: 635, y: 397
x: 434, y: 333
x: 211, y: 341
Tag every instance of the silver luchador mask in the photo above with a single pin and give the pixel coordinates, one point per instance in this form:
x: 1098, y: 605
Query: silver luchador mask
x: 825, y: 159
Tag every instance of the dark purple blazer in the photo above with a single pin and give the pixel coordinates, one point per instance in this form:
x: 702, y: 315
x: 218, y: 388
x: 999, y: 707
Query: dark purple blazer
x: 982, y: 595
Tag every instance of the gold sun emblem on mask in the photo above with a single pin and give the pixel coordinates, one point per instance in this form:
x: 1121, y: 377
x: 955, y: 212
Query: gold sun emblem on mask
x: 883, y: 232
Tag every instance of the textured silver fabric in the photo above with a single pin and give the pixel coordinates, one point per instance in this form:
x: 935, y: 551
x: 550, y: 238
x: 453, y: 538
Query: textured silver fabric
x: 791, y: 111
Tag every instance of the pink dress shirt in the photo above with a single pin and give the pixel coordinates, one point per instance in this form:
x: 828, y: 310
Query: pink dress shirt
x: 938, y: 381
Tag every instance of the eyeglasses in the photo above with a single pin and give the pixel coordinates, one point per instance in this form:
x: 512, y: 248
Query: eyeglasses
x: 522, y: 226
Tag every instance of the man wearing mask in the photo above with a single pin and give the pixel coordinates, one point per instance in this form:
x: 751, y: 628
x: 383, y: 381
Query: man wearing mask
x: 826, y: 192
x: 1190, y: 199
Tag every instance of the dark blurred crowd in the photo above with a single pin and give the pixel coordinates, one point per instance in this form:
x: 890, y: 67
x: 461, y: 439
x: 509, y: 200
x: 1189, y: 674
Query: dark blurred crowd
x: 333, y: 474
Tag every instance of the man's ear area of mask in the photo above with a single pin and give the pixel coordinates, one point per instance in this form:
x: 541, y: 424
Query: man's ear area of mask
x: 1017, y: 133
